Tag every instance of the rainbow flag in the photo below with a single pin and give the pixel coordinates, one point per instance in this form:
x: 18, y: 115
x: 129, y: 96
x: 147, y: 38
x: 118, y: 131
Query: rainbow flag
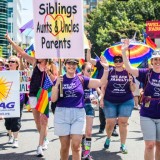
x: 44, y: 96
x: 30, y: 50
x: 43, y: 103
x: 148, y: 41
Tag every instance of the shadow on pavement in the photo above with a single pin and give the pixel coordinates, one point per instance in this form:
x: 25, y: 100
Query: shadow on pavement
x: 103, y: 155
x: 19, y: 156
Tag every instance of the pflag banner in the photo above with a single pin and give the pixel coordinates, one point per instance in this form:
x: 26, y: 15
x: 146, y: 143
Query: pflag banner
x: 9, y: 94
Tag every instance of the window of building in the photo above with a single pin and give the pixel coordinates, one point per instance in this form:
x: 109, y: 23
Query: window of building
x: 10, y: 11
x: 10, y: 0
x: 10, y: 27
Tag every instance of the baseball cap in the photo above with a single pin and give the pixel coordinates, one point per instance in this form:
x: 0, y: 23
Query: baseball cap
x: 156, y: 54
x: 72, y: 60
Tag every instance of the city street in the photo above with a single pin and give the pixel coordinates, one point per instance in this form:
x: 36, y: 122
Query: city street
x: 28, y: 140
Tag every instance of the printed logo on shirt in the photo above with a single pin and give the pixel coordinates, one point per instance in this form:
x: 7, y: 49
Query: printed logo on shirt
x: 70, y: 94
x: 157, y: 92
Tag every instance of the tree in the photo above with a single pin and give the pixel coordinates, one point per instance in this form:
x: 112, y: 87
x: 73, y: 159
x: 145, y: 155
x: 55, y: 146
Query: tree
x: 113, y: 20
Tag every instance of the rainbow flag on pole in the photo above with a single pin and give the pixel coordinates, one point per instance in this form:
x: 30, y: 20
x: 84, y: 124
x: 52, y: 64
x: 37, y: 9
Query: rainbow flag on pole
x: 44, y: 96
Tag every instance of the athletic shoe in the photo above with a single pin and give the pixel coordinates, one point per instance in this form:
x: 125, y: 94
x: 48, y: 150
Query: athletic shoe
x: 123, y: 149
x: 89, y: 158
x: 45, y: 144
x: 85, y: 153
x: 114, y: 133
x: 101, y: 131
x: 15, y: 144
x: 40, y: 151
x: 10, y: 140
x: 107, y: 143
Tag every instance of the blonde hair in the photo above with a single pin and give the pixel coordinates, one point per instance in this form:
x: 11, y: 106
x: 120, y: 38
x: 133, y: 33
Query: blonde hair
x: 16, y: 59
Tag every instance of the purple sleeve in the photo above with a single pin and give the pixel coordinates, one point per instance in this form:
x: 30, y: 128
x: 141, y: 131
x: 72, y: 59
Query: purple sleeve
x: 142, y: 75
x: 86, y: 82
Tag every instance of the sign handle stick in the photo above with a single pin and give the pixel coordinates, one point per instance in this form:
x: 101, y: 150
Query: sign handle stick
x: 60, y: 73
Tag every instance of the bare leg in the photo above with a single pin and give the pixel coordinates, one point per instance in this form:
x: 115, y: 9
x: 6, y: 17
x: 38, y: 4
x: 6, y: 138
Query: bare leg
x: 149, y: 150
x: 110, y: 123
x: 123, y: 123
x: 65, y: 144
x: 36, y: 116
x: 157, y: 153
x: 89, y: 124
x: 76, y: 147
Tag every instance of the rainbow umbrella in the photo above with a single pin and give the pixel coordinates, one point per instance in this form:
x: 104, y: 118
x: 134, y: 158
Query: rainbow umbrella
x: 137, y: 53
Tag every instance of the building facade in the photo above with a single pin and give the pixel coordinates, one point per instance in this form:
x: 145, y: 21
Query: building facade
x: 3, y: 27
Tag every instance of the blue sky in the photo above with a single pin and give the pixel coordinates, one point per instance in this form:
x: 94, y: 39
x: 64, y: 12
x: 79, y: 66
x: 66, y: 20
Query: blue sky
x: 27, y: 13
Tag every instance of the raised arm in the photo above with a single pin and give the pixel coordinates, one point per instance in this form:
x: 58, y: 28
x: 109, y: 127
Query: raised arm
x: 89, y: 59
x: 29, y: 59
x: 129, y: 68
x: 95, y: 83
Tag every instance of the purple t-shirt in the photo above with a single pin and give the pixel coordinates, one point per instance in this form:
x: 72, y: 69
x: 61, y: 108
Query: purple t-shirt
x: 152, y: 89
x: 73, y: 93
x: 118, y: 87
x: 87, y: 93
x: 100, y: 69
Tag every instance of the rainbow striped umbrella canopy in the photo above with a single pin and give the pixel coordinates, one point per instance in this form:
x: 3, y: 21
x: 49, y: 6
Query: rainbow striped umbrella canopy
x: 137, y: 53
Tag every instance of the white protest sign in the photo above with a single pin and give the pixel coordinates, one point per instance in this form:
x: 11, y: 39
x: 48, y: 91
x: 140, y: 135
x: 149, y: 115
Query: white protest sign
x: 9, y: 94
x: 58, y: 28
x: 25, y: 78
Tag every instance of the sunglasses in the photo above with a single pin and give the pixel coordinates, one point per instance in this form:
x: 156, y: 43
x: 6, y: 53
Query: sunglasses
x: 12, y: 62
x: 89, y: 70
x: 156, y: 53
x: 72, y: 63
x: 6, y: 66
x: 118, y: 61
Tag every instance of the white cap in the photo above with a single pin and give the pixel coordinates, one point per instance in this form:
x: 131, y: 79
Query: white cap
x: 156, y: 54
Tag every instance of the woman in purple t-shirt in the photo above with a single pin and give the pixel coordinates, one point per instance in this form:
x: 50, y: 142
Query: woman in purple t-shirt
x: 118, y: 101
x: 70, y: 116
x: 150, y: 108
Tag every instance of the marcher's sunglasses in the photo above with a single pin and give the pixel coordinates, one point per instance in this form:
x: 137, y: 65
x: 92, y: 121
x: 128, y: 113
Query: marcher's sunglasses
x: 118, y: 61
x: 156, y: 53
x: 6, y: 65
x: 72, y: 63
x: 89, y: 70
x: 12, y: 62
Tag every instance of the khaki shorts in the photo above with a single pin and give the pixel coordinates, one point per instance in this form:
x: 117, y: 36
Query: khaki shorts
x: 68, y: 121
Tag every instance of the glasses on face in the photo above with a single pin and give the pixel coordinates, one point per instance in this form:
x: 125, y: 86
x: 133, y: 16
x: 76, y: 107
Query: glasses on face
x: 72, y: 63
x: 156, y: 53
x: 6, y: 65
x: 11, y: 61
x: 118, y: 61
x: 89, y: 70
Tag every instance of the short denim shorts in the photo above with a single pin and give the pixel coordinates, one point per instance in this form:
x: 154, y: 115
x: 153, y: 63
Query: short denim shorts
x: 89, y: 110
x: 114, y: 110
x: 68, y: 121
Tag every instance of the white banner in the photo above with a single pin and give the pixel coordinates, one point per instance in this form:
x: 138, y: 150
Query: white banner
x: 25, y: 78
x: 58, y: 28
x: 9, y: 94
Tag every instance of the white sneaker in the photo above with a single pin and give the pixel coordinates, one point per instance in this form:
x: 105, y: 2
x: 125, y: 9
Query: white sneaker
x: 40, y: 151
x: 10, y: 140
x: 15, y: 144
x: 45, y: 144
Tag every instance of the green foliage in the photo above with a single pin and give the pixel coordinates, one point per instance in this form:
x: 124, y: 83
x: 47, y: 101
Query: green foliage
x: 113, y: 20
